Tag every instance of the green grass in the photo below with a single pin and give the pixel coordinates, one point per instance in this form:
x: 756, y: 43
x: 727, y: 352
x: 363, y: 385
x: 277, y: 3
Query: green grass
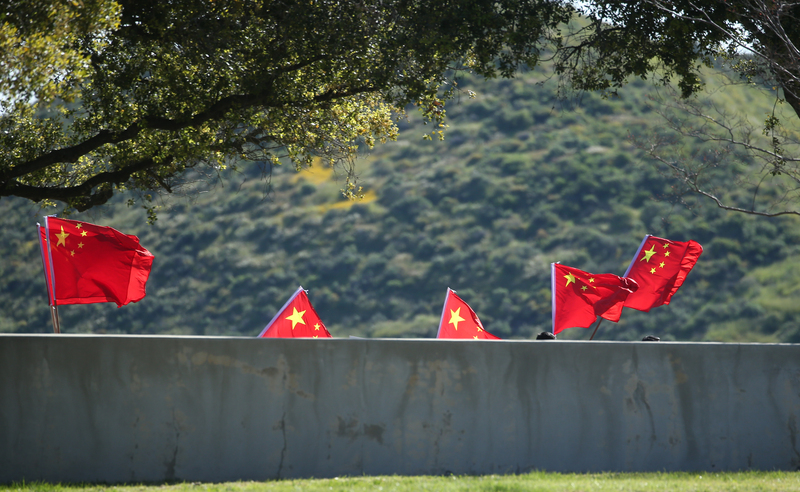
x: 536, y: 481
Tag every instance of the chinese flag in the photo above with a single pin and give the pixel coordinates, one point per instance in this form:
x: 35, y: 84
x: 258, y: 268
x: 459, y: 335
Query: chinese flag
x: 86, y: 263
x: 580, y: 297
x: 659, y: 267
x: 296, y: 319
x: 460, y: 321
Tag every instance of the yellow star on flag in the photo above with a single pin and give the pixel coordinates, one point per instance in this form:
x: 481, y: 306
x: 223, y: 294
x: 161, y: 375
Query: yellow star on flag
x: 591, y: 280
x: 475, y: 337
x: 455, y: 317
x: 72, y: 253
x: 570, y: 278
x: 649, y: 253
x: 62, y: 238
x: 316, y: 327
x: 583, y: 288
x: 652, y: 270
x: 80, y: 245
x: 296, y: 317
x: 661, y: 264
x: 78, y: 225
x: 315, y: 336
x: 666, y: 245
x: 666, y: 253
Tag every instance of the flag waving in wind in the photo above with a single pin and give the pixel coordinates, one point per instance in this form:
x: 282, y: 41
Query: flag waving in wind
x: 296, y: 319
x: 659, y: 267
x: 580, y: 297
x: 86, y: 263
x: 460, y: 321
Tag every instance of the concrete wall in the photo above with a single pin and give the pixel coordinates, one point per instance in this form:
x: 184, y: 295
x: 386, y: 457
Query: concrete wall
x: 118, y: 408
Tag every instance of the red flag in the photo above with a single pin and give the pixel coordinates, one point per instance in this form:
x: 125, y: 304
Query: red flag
x: 86, y: 263
x: 296, y: 319
x: 659, y: 267
x: 460, y: 321
x: 580, y: 297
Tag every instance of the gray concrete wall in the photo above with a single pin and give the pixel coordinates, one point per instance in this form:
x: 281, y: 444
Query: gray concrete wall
x: 117, y: 408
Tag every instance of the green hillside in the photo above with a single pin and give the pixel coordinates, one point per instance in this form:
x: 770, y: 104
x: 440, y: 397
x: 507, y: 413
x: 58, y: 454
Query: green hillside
x: 521, y: 180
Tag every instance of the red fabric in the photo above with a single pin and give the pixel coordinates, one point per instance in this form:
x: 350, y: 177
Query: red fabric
x: 297, y: 319
x: 660, y: 267
x: 580, y: 297
x: 460, y: 321
x: 93, y: 263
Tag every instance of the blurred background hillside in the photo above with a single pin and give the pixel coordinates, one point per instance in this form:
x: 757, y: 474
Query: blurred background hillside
x: 521, y: 180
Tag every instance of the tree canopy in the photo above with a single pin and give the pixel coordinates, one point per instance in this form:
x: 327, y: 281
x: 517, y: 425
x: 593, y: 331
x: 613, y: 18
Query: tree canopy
x: 754, y: 41
x: 164, y: 86
x: 100, y: 96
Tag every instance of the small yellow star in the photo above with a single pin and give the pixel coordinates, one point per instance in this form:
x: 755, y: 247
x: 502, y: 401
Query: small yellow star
x: 666, y: 245
x: 570, y: 278
x: 296, y: 317
x: 62, y: 238
x: 479, y: 328
x: 80, y: 245
x: 649, y: 253
x: 78, y: 225
x: 316, y: 327
x: 666, y: 253
x: 72, y: 253
x: 475, y: 337
x: 455, y: 318
x: 591, y: 280
x: 661, y: 264
x: 316, y: 336
x: 83, y: 233
x: 652, y: 270
x: 583, y: 288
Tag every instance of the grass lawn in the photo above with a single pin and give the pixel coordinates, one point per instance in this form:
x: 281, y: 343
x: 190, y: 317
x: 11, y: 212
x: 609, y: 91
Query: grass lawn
x: 536, y: 481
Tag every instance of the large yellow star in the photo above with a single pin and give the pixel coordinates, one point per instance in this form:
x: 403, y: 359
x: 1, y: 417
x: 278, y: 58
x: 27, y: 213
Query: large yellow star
x: 296, y: 317
x: 649, y: 253
x: 455, y: 318
x: 62, y: 238
x: 570, y: 278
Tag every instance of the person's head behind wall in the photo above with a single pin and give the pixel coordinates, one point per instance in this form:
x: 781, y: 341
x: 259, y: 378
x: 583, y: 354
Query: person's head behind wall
x: 546, y: 335
x: 651, y: 338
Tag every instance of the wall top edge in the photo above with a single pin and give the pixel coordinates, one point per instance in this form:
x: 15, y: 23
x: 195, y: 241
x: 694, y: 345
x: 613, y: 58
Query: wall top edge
x: 364, y: 340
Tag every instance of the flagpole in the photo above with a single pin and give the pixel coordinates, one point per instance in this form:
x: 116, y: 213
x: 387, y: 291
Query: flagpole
x: 444, y: 306
x: 296, y: 293
x: 51, y: 287
x: 553, y: 292
x: 636, y: 255
x: 599, y: 320
x: 54, y: 315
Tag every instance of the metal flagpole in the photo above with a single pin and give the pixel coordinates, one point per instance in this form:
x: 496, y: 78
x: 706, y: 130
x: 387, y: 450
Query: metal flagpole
x: 53, y: 303
x: 54, y: 315
x: 599, y: 320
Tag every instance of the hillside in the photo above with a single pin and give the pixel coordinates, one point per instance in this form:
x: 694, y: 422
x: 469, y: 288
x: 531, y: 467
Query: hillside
x: 521, y: 180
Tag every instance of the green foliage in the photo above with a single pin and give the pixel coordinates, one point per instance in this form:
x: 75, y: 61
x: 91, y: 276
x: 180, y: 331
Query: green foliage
x: 165, y: 87
x: 484, y: 212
